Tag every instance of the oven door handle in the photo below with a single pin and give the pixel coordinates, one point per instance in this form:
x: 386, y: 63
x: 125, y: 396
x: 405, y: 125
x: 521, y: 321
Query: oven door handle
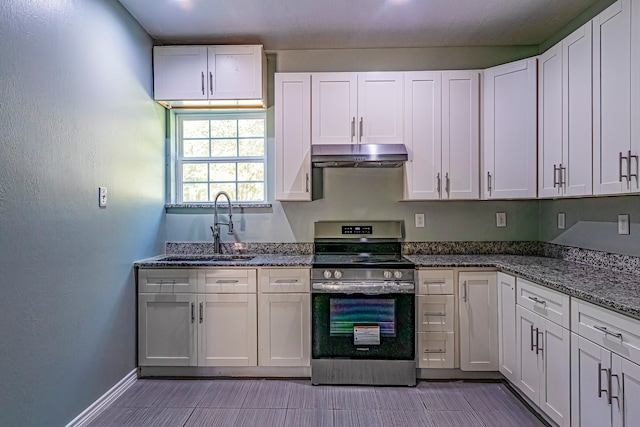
x: 363, y: 287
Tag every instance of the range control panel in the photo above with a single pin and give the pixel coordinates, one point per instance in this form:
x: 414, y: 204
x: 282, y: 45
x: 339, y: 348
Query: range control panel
x: 357, y: 229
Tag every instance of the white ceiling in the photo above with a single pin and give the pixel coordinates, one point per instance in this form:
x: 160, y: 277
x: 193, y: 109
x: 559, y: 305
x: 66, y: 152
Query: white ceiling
x: 329, y: 24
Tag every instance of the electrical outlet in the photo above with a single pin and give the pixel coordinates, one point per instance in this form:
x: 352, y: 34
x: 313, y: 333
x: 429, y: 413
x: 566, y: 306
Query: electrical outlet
x: 419, y: 220
x: 561, y: 221
x: 102, y: 197
x: 501, y: 219
x: 623, y: 224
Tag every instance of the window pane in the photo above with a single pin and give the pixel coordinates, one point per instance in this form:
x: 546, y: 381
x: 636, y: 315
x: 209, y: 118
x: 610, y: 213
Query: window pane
x: 195, y: 129
x: 194, y: 172
x: 250, y: 171
x: 253, y: 127
x: 224, y: 148
x: 223, y: 171
x: 195, y: 193
x: 251, y: 192
x: 195, y: 148
x: 251, y: 147
x: 223, y: 128
x: 223, y: 186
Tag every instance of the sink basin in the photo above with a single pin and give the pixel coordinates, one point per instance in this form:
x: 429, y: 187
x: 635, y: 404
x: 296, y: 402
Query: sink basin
x: 207, y: 258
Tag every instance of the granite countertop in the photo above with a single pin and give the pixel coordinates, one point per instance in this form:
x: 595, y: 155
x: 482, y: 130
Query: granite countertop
x: 607, y: 288
x: 249, y: 260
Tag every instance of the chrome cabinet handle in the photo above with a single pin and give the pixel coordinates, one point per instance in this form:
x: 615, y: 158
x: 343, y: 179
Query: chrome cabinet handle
x: 162, y: 282
x: 620, y: 167
x: 353, y: 128
x: 489, y: 182
x: 439, y: 351
x: 538, y: 301
x: 439, y: 180
x: 562, y: 170
x: 193, y: 312
x: 600, y: 389
x: 555, y: 180
x: 434, y: 314
x: 287, y: 281
x: 307, y: 182
x: 531, y: 335
x: 202, y: 78
x: 211, y: 82
x: 632, y: 175
x: 435, y: 282
x: 201, y: 311
x: 446, y: 178
x: 464, y: 287
x: 610, y: 383
x: 538, y: 348
x: 361, y: 130
x: 227, y: 281
x: 608, y: 332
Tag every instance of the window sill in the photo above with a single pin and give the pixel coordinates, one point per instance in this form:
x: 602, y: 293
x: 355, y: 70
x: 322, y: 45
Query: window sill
x: 191, y: 208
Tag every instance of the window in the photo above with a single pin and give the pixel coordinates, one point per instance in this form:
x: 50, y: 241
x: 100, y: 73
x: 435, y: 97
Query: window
x: 220, y: 152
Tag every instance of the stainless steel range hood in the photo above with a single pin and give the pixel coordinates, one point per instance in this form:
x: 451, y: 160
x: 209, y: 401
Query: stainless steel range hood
x: 358, y: 155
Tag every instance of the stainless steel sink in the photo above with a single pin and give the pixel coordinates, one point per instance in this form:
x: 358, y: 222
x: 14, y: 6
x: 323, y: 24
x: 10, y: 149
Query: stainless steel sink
x: 207, y: 258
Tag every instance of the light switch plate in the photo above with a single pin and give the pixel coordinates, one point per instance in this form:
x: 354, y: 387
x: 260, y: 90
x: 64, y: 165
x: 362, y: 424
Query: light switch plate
x: 419, y: 220
x: 623, y: 224
x: 501, y: 219
x: 102, y: 197
x: 561, y: 221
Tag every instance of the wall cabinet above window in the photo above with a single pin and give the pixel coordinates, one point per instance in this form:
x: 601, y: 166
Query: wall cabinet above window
x: 211, y: 75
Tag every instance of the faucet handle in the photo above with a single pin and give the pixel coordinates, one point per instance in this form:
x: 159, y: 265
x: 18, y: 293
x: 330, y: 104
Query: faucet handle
x: 230, y: 225
x: 213, y: 232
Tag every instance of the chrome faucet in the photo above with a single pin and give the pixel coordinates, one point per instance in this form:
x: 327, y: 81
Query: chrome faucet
x: 216, y: 223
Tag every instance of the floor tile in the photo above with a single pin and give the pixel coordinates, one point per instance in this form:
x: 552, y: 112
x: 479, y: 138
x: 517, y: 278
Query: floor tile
x: 260, y: 418
x: 181, y: 393
x: 225, y: 394
x: 304, y: 395
x: 142, y: 394
x: 159, y: 417
x: 354, y: 398
x: 267, y: 394
x: 455, y: 419
x: 404, y: 419
x: 309, y: 418
x: 212, y: 417
x: 487, y: 396
x: 520, y: 418
x: 398, y: 398
x: 344, y: 418
x: 442, y: 396
x: 114, y: 416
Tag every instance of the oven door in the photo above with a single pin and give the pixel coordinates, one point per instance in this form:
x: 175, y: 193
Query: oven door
x: 359, y: 326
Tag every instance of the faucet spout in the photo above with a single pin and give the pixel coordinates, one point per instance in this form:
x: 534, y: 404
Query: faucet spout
x: 217, y: 247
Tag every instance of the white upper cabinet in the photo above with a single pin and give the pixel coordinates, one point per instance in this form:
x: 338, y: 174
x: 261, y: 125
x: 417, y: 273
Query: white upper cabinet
x: 615, y: 151
x: 293, y: 136
x: 354, y: 108
x: 510, y: 130
x: 183, y: 73
x: 442, y: 135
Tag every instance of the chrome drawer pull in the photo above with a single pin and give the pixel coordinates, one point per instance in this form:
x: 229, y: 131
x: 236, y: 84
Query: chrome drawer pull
x: 539, y: 301
x: 600, y: 389
x: 435, y: 282
x: 287, y: 281
x: 608, y: 332
x: 427, y: 313
x: 171, y: 282
x: 440, y: 351
x: 193, y: 312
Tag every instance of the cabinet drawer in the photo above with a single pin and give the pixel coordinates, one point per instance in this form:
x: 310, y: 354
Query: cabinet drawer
x: 436, y: 349
x: 167, y: 280
x: 227, y: 281
x: 284, y: 280
x: 613, y: 331
x: 435, y: 313
x: 435, y: 282
x: 546, y: 302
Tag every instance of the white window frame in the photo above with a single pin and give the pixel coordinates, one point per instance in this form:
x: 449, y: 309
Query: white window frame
x: 180, y: 160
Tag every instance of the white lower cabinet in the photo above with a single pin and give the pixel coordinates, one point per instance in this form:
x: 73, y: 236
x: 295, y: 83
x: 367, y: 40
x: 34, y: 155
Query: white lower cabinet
x: 436, y: 349
x: 543, y: 352
x: 477, y: 295
x: 507, y: 355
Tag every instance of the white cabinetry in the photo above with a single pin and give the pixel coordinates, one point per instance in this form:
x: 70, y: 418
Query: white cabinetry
x: 284, y: 315
x: 293, y: 136
x: 615, y: 81
x: 510, y: 130
x: 442, y: 135
x: 354, y: 108
x: 477, y: 295
x: 435, y: 316
x: 184, y: 73
x: 507, y: 355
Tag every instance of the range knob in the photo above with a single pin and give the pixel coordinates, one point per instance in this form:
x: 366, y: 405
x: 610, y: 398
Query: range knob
x: 387, y: 274
x: 327, y: 274
x: 337, y: 274
x: 397, y: 274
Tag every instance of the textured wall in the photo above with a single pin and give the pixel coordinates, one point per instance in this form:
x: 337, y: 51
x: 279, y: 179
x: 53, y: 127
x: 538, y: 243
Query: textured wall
x: 75, y: 113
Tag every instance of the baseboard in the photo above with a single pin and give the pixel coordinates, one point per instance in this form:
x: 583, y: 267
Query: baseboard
x: 104, y: 401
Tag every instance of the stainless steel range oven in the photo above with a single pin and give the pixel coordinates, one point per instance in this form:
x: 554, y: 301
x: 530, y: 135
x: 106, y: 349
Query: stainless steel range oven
x: 363, y: 305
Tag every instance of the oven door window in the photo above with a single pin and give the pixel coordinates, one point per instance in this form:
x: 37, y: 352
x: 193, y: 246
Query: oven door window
x: 363, y: 326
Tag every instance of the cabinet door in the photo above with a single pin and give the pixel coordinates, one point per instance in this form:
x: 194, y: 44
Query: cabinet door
x: 167, y: 330
x: 334, y: 104
x: 461, y: 135
x: 380, y: 107
x: 612, y: 98
x: 589, y: 388
x: 284, y: 335
x: 507, y: 347
x: 577, y: 110
x: 478, y: 321
x: 626, y: 387
x: 510, y: 130
x: 555, y: 380
x: 423, y: 135
x: 435, y: 313
x: 179, y: 72
x: 293, y: 136
x: 235, y: 72
x: 527, y: 328
x: 550, y: 123
x: 227, y: 331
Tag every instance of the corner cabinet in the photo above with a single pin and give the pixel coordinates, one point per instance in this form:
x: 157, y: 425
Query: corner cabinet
x: 510, y: 93
x: 232, y: 72
x: 293, y: 136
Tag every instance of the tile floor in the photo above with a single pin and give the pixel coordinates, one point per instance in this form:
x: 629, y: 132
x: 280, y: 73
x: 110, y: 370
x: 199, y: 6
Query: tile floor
x: 286, y: 402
